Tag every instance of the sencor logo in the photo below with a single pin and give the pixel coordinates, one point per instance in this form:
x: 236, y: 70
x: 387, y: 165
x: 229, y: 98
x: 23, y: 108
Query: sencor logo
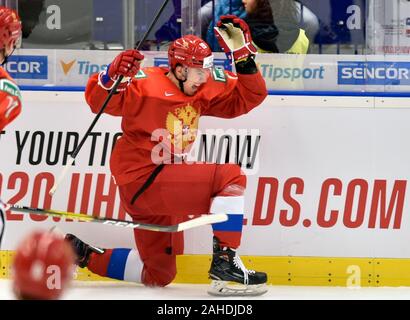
x: 373, y: 73
x: 28, y: 67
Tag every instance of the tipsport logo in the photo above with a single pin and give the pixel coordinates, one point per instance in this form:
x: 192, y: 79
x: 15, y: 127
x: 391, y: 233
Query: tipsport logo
x: 67, y: 66
x: 274, y: 73
x: 27, y: 67
x: 373, y: 73
x: 81, y: 67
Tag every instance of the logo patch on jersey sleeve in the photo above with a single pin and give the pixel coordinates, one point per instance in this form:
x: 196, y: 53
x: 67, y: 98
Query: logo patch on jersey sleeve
x: 218, y: 74
x: 141, y: 75
x: 10, y: 88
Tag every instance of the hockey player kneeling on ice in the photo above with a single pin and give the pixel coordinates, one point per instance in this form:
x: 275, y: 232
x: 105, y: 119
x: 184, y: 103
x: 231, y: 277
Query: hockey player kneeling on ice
x: 160, y: 110
x: 43, y: 267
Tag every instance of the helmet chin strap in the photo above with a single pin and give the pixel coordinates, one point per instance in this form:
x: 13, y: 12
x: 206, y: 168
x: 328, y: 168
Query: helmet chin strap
x: 6, y: 58
x: 181, y: 82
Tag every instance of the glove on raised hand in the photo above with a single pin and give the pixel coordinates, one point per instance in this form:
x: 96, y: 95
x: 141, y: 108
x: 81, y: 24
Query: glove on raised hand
x: 234, y: 37
x: 126, y: 64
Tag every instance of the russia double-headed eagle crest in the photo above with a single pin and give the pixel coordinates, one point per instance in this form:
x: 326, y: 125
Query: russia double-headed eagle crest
x: 182, y: 125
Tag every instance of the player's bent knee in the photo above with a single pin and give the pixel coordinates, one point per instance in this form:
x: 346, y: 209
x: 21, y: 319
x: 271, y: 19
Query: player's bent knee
x: 235, y: 173
x: 157, y: 278
x: 232, y: 181
x: 159, y: 271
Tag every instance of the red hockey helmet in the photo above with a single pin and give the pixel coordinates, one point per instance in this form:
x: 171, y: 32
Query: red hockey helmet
x: 43, y: 266
x: 190, y: 51
x: 10, y: 28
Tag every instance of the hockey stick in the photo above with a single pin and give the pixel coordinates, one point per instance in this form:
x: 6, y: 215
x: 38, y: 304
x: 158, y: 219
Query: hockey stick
x: 193, y: 223
x: 3, y: 208
x: 72, y: 157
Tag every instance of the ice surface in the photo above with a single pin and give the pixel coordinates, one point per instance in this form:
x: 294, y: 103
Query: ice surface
x: 129, y: 291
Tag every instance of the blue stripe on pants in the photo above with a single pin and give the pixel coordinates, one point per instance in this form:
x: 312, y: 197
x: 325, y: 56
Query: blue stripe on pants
x: 116, y: 266
x: 234, y: 223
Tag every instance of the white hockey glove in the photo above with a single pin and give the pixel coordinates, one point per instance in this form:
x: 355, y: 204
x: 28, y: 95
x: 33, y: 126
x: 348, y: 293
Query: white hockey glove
x: 234, y: 37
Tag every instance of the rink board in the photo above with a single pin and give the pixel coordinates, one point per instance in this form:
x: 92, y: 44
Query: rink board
x: 328, y: 177
x: 315, y: 72
x: 289, y: 271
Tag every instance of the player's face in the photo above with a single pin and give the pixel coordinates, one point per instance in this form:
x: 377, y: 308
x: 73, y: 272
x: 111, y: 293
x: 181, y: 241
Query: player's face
x: 195, y: 78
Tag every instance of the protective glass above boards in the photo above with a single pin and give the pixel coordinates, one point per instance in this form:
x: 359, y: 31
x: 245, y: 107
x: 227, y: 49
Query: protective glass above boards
x: 277, y: 26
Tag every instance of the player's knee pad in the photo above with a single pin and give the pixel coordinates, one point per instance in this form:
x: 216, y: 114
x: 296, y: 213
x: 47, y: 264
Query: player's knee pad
x: 159, y: 271
x: 232, y: 181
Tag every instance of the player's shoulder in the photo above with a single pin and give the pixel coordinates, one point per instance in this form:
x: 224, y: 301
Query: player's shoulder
x: 151, y: 73
x: 222, y: 76
x: 8, y: 85
x: 4, y: 74
x: 149, y: 79
x: 220, y: 82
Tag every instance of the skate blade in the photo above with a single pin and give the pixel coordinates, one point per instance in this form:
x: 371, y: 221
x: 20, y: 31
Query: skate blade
x: 230, y: 289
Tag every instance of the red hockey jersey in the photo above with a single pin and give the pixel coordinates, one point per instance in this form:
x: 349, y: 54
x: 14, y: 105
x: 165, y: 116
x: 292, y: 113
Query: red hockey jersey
x: 153, y: 104
x: 10, y: 99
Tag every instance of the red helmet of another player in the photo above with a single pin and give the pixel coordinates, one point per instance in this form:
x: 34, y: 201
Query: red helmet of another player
x: 10, y: 28
x: 190, y: 51
x: 43, y: 266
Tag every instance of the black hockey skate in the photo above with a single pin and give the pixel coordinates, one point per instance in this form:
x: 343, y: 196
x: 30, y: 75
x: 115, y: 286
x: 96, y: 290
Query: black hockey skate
x: 82, y: 250
x: 227, y: 267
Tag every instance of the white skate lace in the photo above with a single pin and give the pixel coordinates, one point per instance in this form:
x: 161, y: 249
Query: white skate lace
x: 246, y: 272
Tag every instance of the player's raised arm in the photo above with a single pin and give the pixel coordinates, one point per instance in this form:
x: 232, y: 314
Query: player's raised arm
x: 126, y: 64
x: 247, y: 89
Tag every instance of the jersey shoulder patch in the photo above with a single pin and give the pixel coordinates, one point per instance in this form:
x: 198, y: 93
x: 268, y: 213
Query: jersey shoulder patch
x: 10, y: 87
x: 218, y: 74
x: 141, y: 75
